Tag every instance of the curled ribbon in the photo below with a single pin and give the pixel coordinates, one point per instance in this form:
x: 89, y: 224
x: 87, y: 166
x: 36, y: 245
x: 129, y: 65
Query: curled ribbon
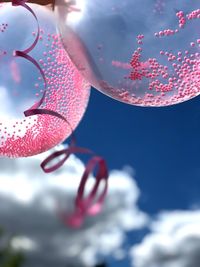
x: 17, y: 53
x: 83, y: 206
x: 92, y: 204
x: 88, y: 206
x: 24, y: 53
x: 23, y: 4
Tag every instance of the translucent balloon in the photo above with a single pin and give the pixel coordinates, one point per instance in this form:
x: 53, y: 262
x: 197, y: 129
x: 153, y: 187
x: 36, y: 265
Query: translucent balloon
x: 141, y: 52
x: 22, y: 85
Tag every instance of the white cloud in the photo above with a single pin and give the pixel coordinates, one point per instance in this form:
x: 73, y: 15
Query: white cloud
x: 28, y: 206
x: 173, y: 242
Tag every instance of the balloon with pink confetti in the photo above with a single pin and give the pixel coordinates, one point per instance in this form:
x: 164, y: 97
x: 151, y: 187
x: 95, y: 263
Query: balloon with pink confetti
x: 44, y: 75
x: 141, y: 52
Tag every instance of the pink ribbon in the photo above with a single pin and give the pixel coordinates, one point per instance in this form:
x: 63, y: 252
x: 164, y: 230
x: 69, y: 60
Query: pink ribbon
x: 24, y: 53
x: 88, y: 206
x: 23, y: 4
x: 37, y: 111
x: 17, y: 53
x: 83, y: 206
x: 92, y: 204
x: 66, y: 152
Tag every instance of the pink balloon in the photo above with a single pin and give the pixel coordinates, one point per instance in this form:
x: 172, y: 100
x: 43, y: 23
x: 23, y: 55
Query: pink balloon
x: 22, y: 84
x: 140, y: 52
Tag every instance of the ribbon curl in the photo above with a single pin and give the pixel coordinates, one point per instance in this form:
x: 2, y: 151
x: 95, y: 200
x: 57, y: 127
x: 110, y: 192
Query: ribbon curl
x: 83, y: 206
x: 24, y: 53
x: 92, y: 204
x: 23, y: 4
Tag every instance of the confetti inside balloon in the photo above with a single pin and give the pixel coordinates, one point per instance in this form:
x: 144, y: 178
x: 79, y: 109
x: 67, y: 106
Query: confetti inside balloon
x: 141, y: 52
x: 36, y: 69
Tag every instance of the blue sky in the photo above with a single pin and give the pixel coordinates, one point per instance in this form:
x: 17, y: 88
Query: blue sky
x: 161, y: 144
x: 159, y: 203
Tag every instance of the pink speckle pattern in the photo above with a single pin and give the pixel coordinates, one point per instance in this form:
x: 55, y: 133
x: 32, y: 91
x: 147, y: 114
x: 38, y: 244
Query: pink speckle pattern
x: 67, y: 93
x: 175, y: 82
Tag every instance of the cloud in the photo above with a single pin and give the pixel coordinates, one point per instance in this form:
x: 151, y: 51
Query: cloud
x: 173, y: 242
x: 28, y: 209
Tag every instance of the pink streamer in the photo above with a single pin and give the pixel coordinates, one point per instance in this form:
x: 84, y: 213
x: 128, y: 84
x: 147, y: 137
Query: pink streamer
x: 24, y: 53
x: 66, y: 152
x: 37, y: 111
x: 32, y: 60
x: 87, y: 206
x: 83, y: 206
x: 23, y: 4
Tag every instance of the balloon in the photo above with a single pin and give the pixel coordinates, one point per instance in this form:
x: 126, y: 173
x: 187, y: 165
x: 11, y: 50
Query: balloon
x: 141, y: 52
x: 36, y: 72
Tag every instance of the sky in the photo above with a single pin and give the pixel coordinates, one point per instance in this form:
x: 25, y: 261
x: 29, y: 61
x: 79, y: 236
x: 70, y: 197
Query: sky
x: 151, y: 216
x: 152, y: 209
x: 160, y: 144
x: 30, y: 206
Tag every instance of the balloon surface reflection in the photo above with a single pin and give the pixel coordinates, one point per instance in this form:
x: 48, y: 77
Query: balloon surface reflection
x: 22, y: 84
x: 141, y: 52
